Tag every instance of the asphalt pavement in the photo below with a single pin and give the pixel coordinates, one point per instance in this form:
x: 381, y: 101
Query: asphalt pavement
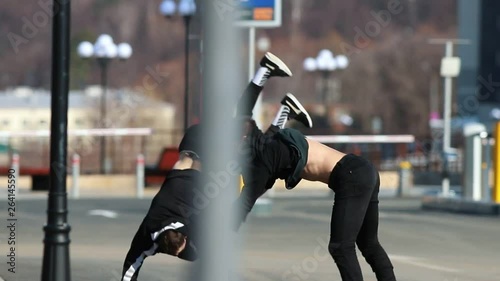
x: 288, y: 243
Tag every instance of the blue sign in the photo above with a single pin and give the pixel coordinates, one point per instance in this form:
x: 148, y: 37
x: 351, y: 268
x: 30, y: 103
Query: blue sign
x: 260, y: 13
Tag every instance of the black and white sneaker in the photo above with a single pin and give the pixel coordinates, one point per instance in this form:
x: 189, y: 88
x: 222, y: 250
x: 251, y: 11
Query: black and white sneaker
x: 276, y: 66
x: 297, y: 111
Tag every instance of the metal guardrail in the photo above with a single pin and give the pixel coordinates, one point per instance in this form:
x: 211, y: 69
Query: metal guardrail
x: 124, y: 144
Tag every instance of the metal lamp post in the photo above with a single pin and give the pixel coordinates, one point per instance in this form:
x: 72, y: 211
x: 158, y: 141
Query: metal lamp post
x: 104, y: 50
x: 325, y: 63
x: 186, y: 8
x: 56, y: 255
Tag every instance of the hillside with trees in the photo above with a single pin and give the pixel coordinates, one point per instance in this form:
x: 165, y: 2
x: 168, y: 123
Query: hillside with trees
x: 391, y: 62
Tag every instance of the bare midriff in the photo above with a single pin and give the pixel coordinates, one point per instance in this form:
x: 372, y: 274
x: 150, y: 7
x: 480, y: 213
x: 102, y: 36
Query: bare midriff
x: 321, y: 160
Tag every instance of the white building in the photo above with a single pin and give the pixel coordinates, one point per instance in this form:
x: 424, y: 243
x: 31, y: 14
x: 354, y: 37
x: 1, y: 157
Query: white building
x: 29, y: 109
x: 23, y: 109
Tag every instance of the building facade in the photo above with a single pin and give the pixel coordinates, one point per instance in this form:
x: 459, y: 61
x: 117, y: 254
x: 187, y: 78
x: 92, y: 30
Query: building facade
x: 478, y: 92
x: 26, y: 109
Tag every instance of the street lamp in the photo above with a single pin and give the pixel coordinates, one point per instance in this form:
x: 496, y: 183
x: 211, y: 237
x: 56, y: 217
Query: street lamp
x: 450, y: 68
x: 186, y: 8
x: 104, y: 50
x: 325, y: 63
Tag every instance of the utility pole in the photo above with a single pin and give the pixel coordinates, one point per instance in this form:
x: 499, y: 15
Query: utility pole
x: 450, y: 68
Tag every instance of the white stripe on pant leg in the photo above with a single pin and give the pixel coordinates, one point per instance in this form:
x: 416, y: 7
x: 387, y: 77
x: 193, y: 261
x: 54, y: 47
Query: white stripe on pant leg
x: 133, y: 268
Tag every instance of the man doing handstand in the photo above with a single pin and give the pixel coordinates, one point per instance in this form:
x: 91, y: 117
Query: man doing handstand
x: 289, y: 155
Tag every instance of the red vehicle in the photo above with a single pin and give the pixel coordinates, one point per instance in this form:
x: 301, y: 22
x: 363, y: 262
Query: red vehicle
x: 155, y: 175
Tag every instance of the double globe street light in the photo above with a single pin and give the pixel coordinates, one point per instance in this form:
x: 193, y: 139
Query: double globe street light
x: 325, y: 63
x: 104, y: 50
x: 186, y: 8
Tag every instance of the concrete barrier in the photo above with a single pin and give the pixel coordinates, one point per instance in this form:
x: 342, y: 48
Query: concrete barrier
x: 14, y: 165
x: 388, y: 180
x: 139, y: 177
x: 459, y: 205
x: 125, y: 185
x: 75, y: 176
x: 88, y: 181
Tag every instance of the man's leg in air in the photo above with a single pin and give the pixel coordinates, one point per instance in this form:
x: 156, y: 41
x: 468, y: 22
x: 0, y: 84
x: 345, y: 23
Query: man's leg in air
x: 290, y: 108
x: 270, y: 66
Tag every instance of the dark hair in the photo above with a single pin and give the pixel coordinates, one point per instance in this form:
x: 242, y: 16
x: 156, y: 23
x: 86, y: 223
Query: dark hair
x: 190, y: 154
x: 170, y: 241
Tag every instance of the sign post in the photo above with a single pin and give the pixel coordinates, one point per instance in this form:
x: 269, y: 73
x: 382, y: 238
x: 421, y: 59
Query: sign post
x: 257, y: 14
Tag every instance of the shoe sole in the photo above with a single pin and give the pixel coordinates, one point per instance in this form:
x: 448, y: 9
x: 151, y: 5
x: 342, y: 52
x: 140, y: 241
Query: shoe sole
x: 301, y: 108
x: 279, y: 63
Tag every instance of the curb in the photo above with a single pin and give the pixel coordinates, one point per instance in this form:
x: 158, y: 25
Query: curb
x: 459, y: 205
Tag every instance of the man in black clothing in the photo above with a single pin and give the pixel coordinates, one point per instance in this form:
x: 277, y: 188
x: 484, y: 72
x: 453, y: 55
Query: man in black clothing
x: 291, y: 156
x: 287, y: 154
x: 167, y: 227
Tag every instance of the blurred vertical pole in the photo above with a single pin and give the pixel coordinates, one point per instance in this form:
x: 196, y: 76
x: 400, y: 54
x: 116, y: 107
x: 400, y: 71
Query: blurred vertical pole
x: 187, y: 21
x: 486, y: 167
x: 139, y: 176
x: 496, y: 164
x: 222, y: 87
x: 56, y: 266
x: 103, y: 65
x: 75, y: 171
x: 14, y: 166
x: 447, y: 124
x: 476, y: 164
x: 251, y: 53
x: 447, y: 150
x: 200, y: 69
x: 257, y: 111
x: 434, y: 97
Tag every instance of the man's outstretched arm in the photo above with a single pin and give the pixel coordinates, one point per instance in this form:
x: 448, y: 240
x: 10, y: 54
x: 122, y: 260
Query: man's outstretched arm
x: 255, y: 185
x: 140, y: 248
x: 190, y: 253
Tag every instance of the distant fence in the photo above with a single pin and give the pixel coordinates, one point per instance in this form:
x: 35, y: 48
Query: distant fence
x: 123, y: 146
x: 387, y: 151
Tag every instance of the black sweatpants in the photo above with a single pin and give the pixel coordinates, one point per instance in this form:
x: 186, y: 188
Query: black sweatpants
x: 270, y: 159
x: 356, y: 184
x: 248, y: 100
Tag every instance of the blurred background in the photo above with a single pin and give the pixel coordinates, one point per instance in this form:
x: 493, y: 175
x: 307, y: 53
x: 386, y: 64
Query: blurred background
x: 391, y: 84
x: 377, y: 77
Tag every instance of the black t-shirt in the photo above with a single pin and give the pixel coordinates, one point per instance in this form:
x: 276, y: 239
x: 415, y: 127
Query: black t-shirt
x: 171, y: 208
x: 265, y: 158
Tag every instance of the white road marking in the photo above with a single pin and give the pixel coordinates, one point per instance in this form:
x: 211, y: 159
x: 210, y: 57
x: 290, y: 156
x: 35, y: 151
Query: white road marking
x: 383, y: 215
x: 420, y: 262
x: 316, y: 217
x: 103, y: 213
